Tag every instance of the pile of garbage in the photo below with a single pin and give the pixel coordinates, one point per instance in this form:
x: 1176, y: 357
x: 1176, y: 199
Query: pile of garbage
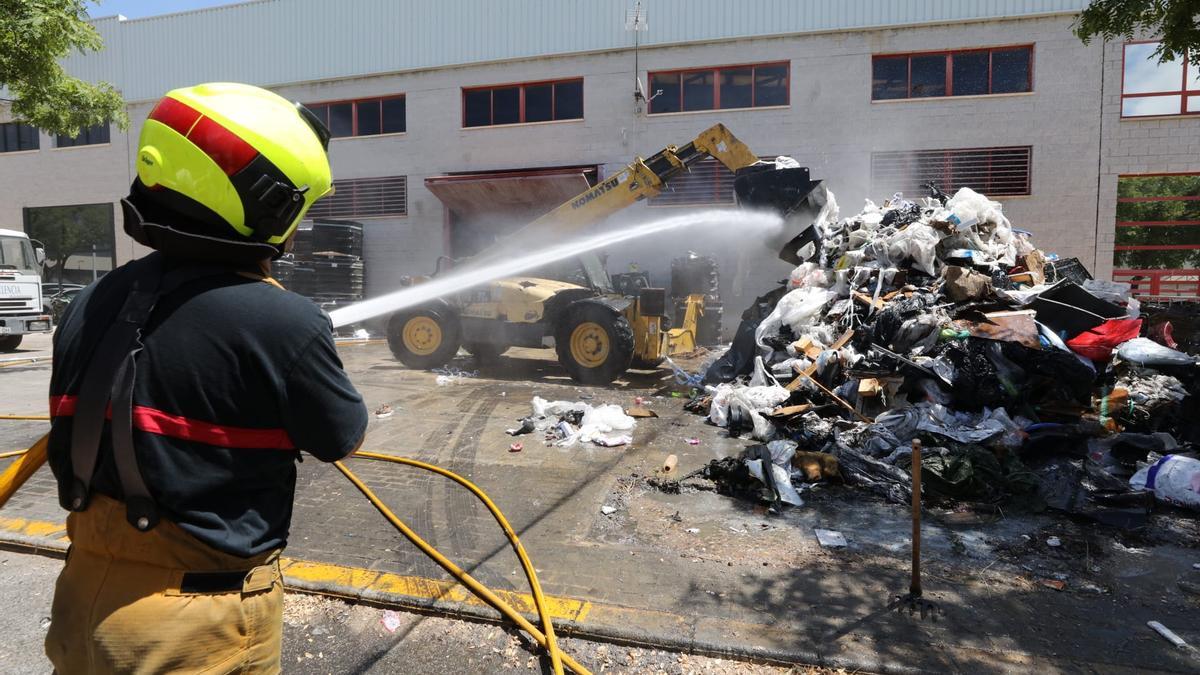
x: 937, y: 320
x: 565, y: 423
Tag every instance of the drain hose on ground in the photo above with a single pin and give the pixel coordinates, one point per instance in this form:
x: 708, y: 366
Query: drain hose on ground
x: 30, y: 460
x: 545, y: 639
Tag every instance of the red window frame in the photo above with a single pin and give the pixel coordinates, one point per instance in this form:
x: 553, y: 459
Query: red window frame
x: 949, y: 54
x: 521, y: 112
x: 354, y: 113
x: 1183, y: 92
x: 1158, y: 282
x: 716, y: 73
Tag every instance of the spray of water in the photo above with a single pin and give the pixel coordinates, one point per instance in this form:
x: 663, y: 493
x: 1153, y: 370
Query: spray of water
x: 752, y: 223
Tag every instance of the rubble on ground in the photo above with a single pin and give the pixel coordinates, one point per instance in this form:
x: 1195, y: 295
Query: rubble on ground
x: 565, y: 423
x: 935, y: 319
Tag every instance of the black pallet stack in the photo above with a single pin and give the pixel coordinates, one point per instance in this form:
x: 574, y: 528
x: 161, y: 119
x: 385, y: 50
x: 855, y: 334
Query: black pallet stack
x: 698, y: 275
x: 325, y: 263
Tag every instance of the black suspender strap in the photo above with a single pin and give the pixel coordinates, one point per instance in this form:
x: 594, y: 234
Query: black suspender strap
x: 109, y: 380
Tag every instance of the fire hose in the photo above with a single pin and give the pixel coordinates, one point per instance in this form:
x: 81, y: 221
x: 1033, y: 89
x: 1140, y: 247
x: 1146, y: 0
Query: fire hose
x: 29, y: 461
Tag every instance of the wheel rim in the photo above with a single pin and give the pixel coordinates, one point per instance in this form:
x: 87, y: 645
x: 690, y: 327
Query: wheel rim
x: 589, y: 344
x: 422, y: 335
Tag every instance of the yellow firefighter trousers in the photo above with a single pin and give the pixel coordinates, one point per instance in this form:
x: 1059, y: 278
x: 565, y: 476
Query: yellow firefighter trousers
x: 118, y: 607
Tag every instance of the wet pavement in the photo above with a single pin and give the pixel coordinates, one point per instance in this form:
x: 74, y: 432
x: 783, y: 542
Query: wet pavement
x: 697, y: 570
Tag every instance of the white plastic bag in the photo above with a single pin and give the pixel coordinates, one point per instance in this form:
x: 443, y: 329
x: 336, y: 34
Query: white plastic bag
x: 968, y: 204
x: 797, y: 309
x: 917, y: 242
x: 1173, y: 479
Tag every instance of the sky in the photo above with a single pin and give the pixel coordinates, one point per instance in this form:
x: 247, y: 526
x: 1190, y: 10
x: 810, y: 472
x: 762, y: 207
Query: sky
x: 136, y: 9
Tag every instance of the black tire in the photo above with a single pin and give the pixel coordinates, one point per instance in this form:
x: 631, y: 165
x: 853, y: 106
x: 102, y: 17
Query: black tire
x: 644, y: 364
x: 9, y: 343
x: 602, y: 351
x: 431, y: 343
x: 485, y: 352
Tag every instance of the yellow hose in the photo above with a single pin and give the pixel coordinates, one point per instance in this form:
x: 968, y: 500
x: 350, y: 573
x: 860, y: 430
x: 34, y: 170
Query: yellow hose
x: 19, y: 471
x: 24, y: 417
x: 30, y: 460
x: 535, y: 586
x: 547, y: 639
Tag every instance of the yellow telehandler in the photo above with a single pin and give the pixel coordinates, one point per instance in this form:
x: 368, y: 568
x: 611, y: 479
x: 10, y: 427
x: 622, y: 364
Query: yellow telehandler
x: 597, y: 333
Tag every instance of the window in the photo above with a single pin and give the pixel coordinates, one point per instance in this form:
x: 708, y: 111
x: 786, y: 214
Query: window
x: 364, y: 198
x: 80, y: 240
x: 708, y: 182
x: 523, y: 103
x: 996, y: 172
x: 89, y: 136
x: 1000, y: 70
x: 732, y: 87
x: 1157, y: 246
x: 364, y: 117
x: 1152, y: 88
x: 15, y: 137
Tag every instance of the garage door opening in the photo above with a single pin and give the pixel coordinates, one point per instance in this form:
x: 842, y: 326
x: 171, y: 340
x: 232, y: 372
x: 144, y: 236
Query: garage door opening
x: 484, y: 207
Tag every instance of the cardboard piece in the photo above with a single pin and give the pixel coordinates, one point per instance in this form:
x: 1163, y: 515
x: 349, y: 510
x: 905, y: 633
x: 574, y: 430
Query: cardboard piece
x: 1018, y: 326
x: 964, y: 284
x: 641, y: 412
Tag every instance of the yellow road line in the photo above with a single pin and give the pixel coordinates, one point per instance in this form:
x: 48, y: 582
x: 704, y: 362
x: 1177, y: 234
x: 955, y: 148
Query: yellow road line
x: 424, y: 588
x: 34, y: 528
x: 355, y: 580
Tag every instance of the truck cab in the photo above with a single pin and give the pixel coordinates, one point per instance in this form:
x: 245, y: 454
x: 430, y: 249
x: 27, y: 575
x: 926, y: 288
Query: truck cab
x: 21, y: 309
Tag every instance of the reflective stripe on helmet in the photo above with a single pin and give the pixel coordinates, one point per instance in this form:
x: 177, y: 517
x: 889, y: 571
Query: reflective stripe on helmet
x: 230, y: 153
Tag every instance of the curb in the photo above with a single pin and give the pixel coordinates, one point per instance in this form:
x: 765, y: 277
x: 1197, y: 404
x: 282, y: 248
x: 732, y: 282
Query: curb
x: 572, y: 617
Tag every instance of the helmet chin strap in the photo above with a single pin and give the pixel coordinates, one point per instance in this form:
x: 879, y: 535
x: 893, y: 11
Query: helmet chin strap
x: 180, y: 235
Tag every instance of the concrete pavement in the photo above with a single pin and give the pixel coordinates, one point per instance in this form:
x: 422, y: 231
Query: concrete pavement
x: 327, y: 635
x: 694, y: 571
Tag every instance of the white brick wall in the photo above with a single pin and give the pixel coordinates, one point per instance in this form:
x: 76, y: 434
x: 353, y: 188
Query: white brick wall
x: 831, y: 126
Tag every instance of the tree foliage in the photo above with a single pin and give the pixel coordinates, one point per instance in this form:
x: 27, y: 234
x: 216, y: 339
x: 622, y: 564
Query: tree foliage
x: 1176, y: 22
x: 34, y: 36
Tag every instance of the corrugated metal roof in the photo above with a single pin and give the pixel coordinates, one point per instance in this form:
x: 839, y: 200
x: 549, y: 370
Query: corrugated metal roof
x: 271, y: 42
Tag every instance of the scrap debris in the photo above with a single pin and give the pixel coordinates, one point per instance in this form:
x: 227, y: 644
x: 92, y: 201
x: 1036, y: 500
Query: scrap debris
x: 937, y: 320
x: 564, y: 423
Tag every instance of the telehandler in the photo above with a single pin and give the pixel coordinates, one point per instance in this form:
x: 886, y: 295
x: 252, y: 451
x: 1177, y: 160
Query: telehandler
x: 597, y: 333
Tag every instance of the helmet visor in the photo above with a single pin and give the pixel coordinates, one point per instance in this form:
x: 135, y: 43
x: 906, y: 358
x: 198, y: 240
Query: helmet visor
x: 315, y: 124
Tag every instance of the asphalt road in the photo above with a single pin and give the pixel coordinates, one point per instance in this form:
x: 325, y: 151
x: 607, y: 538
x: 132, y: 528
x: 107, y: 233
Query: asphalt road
x: 323, y: 635
x: 694, y: 570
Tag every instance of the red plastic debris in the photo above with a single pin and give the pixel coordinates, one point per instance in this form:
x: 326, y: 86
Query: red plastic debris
x: 1161, y: 333
x: 516, y: 447
x: 1098, y: 343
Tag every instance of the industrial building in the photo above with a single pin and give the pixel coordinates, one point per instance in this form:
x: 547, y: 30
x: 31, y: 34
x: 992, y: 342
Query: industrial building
x: 454, y: 118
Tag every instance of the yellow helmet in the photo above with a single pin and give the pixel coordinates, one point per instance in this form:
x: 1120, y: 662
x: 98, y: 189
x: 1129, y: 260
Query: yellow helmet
x: 226, y: 171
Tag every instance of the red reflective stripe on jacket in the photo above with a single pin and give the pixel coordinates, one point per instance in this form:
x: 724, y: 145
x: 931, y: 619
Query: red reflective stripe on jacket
x: 162, y: 423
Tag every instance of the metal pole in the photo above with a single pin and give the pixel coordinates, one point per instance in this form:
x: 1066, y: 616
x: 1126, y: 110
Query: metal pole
x: 915, y: 587
x: 93, y: 262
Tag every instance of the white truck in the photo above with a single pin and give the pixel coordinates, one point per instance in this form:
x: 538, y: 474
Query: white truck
x: 20, y: 289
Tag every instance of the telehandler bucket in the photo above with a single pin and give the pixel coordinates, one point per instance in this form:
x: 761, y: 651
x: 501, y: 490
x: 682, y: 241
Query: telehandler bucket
x: 790, y: 192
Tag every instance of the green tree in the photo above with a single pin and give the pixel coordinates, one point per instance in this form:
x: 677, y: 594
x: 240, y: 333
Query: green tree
x: 34, y: 36
x: 70, y: 230
x: 1175, y: 22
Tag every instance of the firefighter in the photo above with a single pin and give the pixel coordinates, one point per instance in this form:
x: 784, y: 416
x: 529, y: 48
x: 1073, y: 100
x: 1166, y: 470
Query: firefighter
x: 184, y: 385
